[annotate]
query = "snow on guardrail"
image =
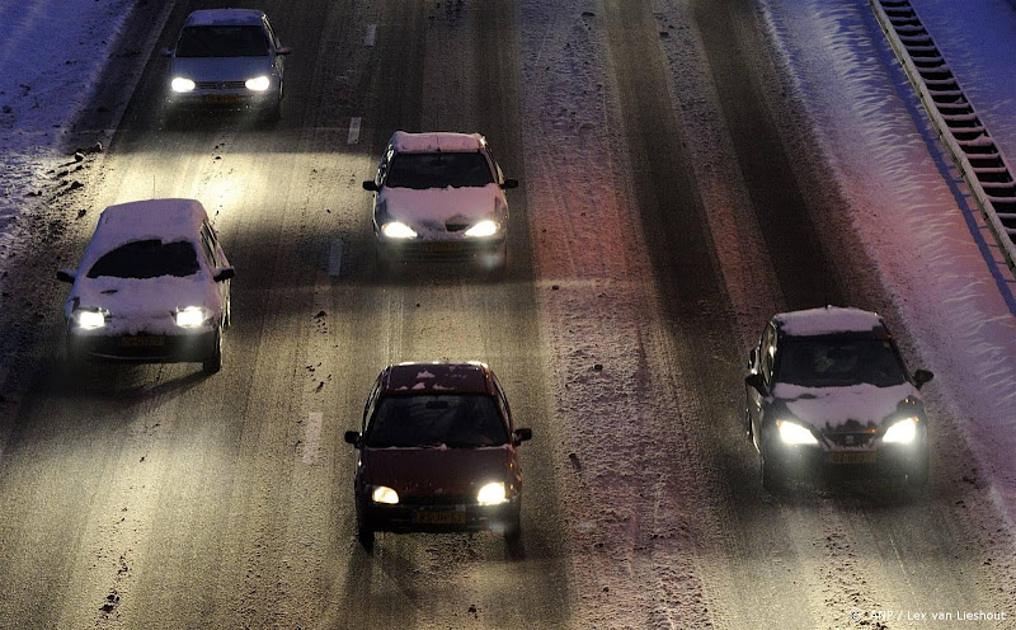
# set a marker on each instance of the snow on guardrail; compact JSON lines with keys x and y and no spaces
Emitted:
{"x":985,"y":169}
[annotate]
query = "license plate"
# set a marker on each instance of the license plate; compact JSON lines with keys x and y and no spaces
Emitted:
{"x":858,"y":457}
{"x":457,"y":517}
{"x":145,"y":341}
{"x":223,"y":98}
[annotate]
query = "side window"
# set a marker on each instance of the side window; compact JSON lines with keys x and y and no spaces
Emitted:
{"x":382,"y":169}
{"x":271,"y":35}
{"x":368,"y":408}
{"x":498,"y":175}
{"x":502,"y":401}
{"x":208,"y":246}
{"x":768,"y":353}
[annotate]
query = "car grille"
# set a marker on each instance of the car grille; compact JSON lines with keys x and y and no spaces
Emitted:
{"x":220,"y":85}
{"x":851,"y":439}
{"x":437,"y":499}
{"x":455,"y":226}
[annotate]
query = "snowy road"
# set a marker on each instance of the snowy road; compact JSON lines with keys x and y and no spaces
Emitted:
{"x":669,"y":203}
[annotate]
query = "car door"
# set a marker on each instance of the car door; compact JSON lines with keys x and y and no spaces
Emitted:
{"x":216,"y":260}
{"x":762,"y":364}
{"x":278,"y":61}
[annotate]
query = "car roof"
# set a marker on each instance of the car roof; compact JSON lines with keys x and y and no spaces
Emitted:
{"x":167,"y":220}
{"x":225,"y":17}
{"x":829,"y":320}
{"x":431,"y":142}
{"x":437,"y":378}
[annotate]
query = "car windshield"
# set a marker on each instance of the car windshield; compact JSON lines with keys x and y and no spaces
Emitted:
{"x":433,"y":420}
{"x":147,"y":259}
{"x":831,"y":362}
{"x":222,"y":41}
{"x":438,"y":170}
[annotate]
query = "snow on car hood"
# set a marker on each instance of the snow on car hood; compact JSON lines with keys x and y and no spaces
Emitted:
{"x":221,"y":68}
{"x":428,"y":471}
{"x":427,"y":211}
{"x":833,"y":407}
{"x":143,"y":305}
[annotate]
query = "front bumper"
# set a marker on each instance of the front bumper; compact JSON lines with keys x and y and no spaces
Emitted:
{"x":441,"y":250}
{"x":884,"y":460}
{"x":223,"y":99}
{"x":437,"y":517}
{"x":143,"y":348}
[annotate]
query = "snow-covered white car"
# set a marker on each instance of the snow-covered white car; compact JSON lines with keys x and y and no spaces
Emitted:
{"x":827,"y":391}
{"x":440,"y":196}
{"x":152,"y":287}
{"x":228,"y":58}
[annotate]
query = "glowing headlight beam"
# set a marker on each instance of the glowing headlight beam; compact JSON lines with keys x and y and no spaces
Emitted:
{"x":398,"y":230}
{"x":792,"y":433}
{"x":180,"y":84}
{"x":901,"y":432}
{"x":482,"y":229}
{"x":190,"y":317}
{"x":492,"y":494}
{"x":384,"y":494}
{"x":258,"y":84}
{"x":90,"y":320}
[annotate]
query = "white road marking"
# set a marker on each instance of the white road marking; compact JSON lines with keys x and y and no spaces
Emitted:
{"x":354,"y":130}
{"x":371,"y":36}
{"x":312,"y":436}
{"x":335,"y":259}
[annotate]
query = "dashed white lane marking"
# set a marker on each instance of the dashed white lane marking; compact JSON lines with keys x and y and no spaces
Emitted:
{"x":354,"y":130}
{"x":371,"y":36}
{"x":335,"y":259}
{"x":312,"y":436}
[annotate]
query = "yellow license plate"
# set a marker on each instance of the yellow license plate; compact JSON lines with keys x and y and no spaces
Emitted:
{"x":440,"y":518}
{"x":858,"y":457}
{"x":150,"y":341}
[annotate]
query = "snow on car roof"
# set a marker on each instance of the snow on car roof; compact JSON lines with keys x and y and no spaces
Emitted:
{"x":212,"y":17}
{"x":167,"y":220}
{"x":827,"y":321}
{"x":436,"y":378}
{"x":449,"y":141}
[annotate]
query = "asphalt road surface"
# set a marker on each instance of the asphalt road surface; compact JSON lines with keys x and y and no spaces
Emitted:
{"x":154,"y":497}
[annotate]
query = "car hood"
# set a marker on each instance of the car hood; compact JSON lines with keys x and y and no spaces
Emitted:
{"x":429,"y":211}
{"x":430,"y":471}
{"x":845,"y":408}
{"x":147,"y":305}
{"x":221,"y":68}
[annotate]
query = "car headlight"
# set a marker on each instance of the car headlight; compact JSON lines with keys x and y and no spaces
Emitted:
{"x":397,"y":229}
{"x":190,"y":317}
{"x":180,"y":84}
{"x":257,"y":84}
{"x":384,"y":494}
{"x":90,"y":319}
{"x":901,"y":432}
{"x":492,"y":494}
{"x":482,"y":229}
{"x":792,"y":433}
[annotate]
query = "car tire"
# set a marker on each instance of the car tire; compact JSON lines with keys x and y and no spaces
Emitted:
{"x":213,"y":363}
{"x":365,"y":535}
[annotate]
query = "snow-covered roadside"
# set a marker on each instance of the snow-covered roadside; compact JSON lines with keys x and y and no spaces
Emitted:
{"x":934,"y":257}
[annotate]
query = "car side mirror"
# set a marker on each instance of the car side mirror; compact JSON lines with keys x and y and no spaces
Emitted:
{"x":353,"y":437}
{"x":522,"y":435}
{"x":65,"y":275}
{"x":167,"y":52}
{"x":922,"y":376}
{"x":510,"y":183}
{"x":283,"y":50}
{"x":755,"y":382}
{"x":370,"y":185}
{"x":225,"y":274}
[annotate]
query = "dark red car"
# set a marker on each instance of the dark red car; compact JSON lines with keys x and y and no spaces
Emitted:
{"x":437,"y":453}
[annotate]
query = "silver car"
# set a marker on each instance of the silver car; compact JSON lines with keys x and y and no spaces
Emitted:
{"x":229,"y":58}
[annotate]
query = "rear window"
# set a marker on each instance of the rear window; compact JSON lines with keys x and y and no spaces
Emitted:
{"x":438,"y":170}
{"x":222,"y":41}
{"x":147,"y":259}
{"x":433,"y":420}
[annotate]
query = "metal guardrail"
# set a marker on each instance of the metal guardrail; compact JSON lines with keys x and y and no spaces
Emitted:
{"x":986,"y":171}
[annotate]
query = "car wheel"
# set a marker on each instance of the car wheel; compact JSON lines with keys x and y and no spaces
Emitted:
{"x":213,"y":363}
{"x":773,"y":478}
{"x":365,"y":535}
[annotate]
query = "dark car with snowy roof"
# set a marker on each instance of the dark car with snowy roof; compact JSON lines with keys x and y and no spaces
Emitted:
{"x":827,"y":391}
{"x":152,"y":287}
{"x":437,"y":452}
